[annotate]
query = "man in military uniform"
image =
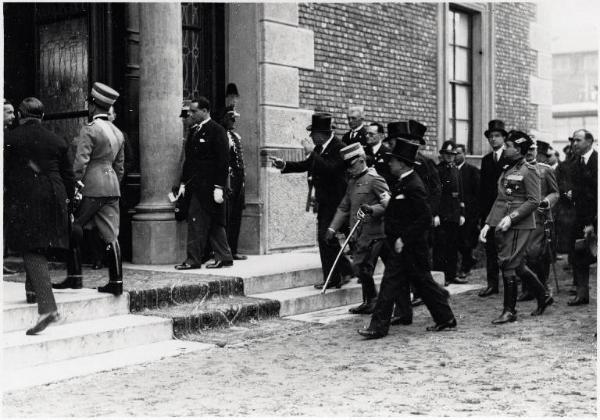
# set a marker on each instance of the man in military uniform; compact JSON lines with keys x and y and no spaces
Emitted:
{"x":376,"y":151}
{"x":99,"y":157}
{"x":491,"y":168}
{"x":450,"y":213}
{"x":236,"y":200}
{"x":407,"y":219}
{"x":358,"y":131}
{"x":365,"y":197}
{"x":326,"y":167}
{"x":513,"y":217}
{"x":205,"y":172}
{"x":538,"y":255}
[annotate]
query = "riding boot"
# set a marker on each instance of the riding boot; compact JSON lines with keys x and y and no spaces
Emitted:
{"x":74,"y":272}
{"x":115,"y":270}
{"x":509,"y":313}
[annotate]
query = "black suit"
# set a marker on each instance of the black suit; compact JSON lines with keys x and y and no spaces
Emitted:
{"x":585,"y":197}
{"x":468,"y":232}
{"x":206,"y":165}
{"x":408,"y":217}
{"x":379,"y":161}
{"x":359,"y":137}
{"x":490,"y":172}
{"x":329,"y":180}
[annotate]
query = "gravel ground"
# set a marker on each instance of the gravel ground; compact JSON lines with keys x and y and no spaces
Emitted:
{"x":534,"y":367}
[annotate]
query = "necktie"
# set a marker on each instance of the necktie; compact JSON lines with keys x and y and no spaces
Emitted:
{"x":582,"y":161}
{"x":318,"y":149}
{"x":495,"y":157}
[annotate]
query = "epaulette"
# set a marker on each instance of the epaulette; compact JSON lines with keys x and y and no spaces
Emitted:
{"x":530,"y":166}
{"x":91,"y":122}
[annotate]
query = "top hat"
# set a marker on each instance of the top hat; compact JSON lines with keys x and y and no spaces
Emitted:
{"x":231,"y":90}
{"x":352,"y":151}
{"x":405,"y":151}
{"x":495,"y":125}
{"x":103,"y":95}
{"x":520,"y":139}
{"x":407,"y":130}
{"x":231,"y":112}
{"x":321,"y":121}
{"x":543,"y":147}
{"x":449,"y":147}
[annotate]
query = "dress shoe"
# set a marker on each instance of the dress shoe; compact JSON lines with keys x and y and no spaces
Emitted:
{"x":346,"y":279}
{"x":462,"y":275}
{"x":417,"y":301}
{"x":371,"y":333}
{"x":443,"y":326}
{"x":7,"y":271}
{"x":97,"y":265}
{"x":30,"y":297}
{"x":220,"y":264}
{"x":330,"y":285}
{"x":367,"y":307}
{"x":400,"y":320}
{"x":572,"y":292}
{"x":524,"y":297}
{"x":507,"y":316}
{"x":239,"y":257}
{"x":114,"y":287}
{"x":488,"y":291}
{"x":548,"y":300}
{"x":456,"y":281}
{"x":42,"y":322}
{"x":578,"y":301}
{"x":186,"y":266}
{"x":71,"y":282}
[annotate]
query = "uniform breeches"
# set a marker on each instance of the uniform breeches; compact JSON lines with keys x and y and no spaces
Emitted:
{"x":202,"y":228}
{"x":365,"y":257}
{"x":328,"y":250}
{"x":491,"y":255}
{"x":449,"y":249}
{"x":511,"y":246}
{"x":102,"y":212}
{"x":537,"y":255}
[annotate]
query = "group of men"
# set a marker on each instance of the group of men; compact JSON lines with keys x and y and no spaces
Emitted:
{"x":398,"y":205}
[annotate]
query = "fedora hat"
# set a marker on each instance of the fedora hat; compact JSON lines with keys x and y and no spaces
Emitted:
{"x":449,"y":147}
{"x":495,"y":125}
{"x":102,"y":95}
{"x":407,"y":130}
{"x":321,"y":121}
{"x":406,"y":151}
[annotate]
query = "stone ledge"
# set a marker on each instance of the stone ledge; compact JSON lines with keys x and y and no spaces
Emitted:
{"x":287,"y":45}
{"x":280,"y":85}
{"x":286,"y":13}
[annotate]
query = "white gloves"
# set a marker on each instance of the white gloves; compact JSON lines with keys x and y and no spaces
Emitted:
{"x":218,"y":195}
{"x":461,"y":221}
{"x":504,"y":224}
{"x":436,"y":221}
{"x":398,"y":245}
{"x":181,"y":191}
{"x":483,"y":233}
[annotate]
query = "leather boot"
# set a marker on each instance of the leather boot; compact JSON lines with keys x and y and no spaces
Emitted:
{"x":367,"y":307}
{"x":74,"y":273}
{"x":509,"y":313}
{"x":115,"y":270}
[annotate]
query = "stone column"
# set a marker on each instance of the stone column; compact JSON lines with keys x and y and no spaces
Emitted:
{"x":156,"y":235}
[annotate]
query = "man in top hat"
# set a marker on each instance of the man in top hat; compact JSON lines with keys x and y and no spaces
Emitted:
{"x":407,"y":220}
{"x":236,"y":201}
{"x":99,"y":157}
{"x":326,"y":167}
{"x":366,"y":196}
{"x":358,"y":131}
{"x":585,"y":197}
{"x":204,"y":178}
{"x":451,"y":212}
{"x":376,"y":151}
{"x":491,"y":168}
{"x":538,"y":254}
{"x":468,"y":233}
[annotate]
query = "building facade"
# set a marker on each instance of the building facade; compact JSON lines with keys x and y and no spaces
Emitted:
{"x":453,"y":66}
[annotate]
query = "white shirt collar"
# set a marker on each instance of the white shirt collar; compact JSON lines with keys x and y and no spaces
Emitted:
{"x":586,"y":157}
{"x":499,"y":153}
{"x":100,"y":116}
{"x":357,"y":129}
{"x":405,"y":174}
{"x":376,"y":148}
{"x":461,"y":165}
{"x":327,"y":143}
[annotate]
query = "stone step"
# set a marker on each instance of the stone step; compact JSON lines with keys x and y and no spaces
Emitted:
{"x":73,"y":306}
{"x":79,"y":339}
{"x":103,"y":362}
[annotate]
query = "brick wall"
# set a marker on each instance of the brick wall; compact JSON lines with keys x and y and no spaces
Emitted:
{"x":383,"y":56}
{"x":515,"y":61}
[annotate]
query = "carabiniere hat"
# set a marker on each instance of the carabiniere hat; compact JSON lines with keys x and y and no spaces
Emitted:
{"x":449,"y":147}
{"x":231,"y":112}
{"x":321,"y":121}
{"x":495,"y":125}
{"x":185,"y":108}
{"x":103,"y":95}
{"x":543,"y":147}
{"x":407,"y":130}
{"x":405,"y":151}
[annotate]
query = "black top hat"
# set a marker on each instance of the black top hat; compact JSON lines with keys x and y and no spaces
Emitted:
{"x":408,"y":130}
{"x":449,"y":147}
{"x":321,"y":121}
{"x":543,"y":147}
{"x":495,"y":125}
{"x":231,"y":90}
{"x":405,"y":151}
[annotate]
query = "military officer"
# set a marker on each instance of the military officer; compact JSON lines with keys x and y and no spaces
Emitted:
{"x":365,"y":197}
{"x":513,"y":218}
{"x":407,"y":219}
{"x":451,"y":212}
{"x":538,"y":255}
{"x":99,"y":157}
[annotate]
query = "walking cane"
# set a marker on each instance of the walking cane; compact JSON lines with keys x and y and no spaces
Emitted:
{"x":360,"y":215}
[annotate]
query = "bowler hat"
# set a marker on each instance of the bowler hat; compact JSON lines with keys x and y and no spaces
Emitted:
{"x":321,"y":121}
{"x":495,"y":125}
{"x":408,"y":130}
{"x":231,"y":90}
{"x":103,"y":95}
{"x":449,"y":147}
{"x":405,"y":151}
